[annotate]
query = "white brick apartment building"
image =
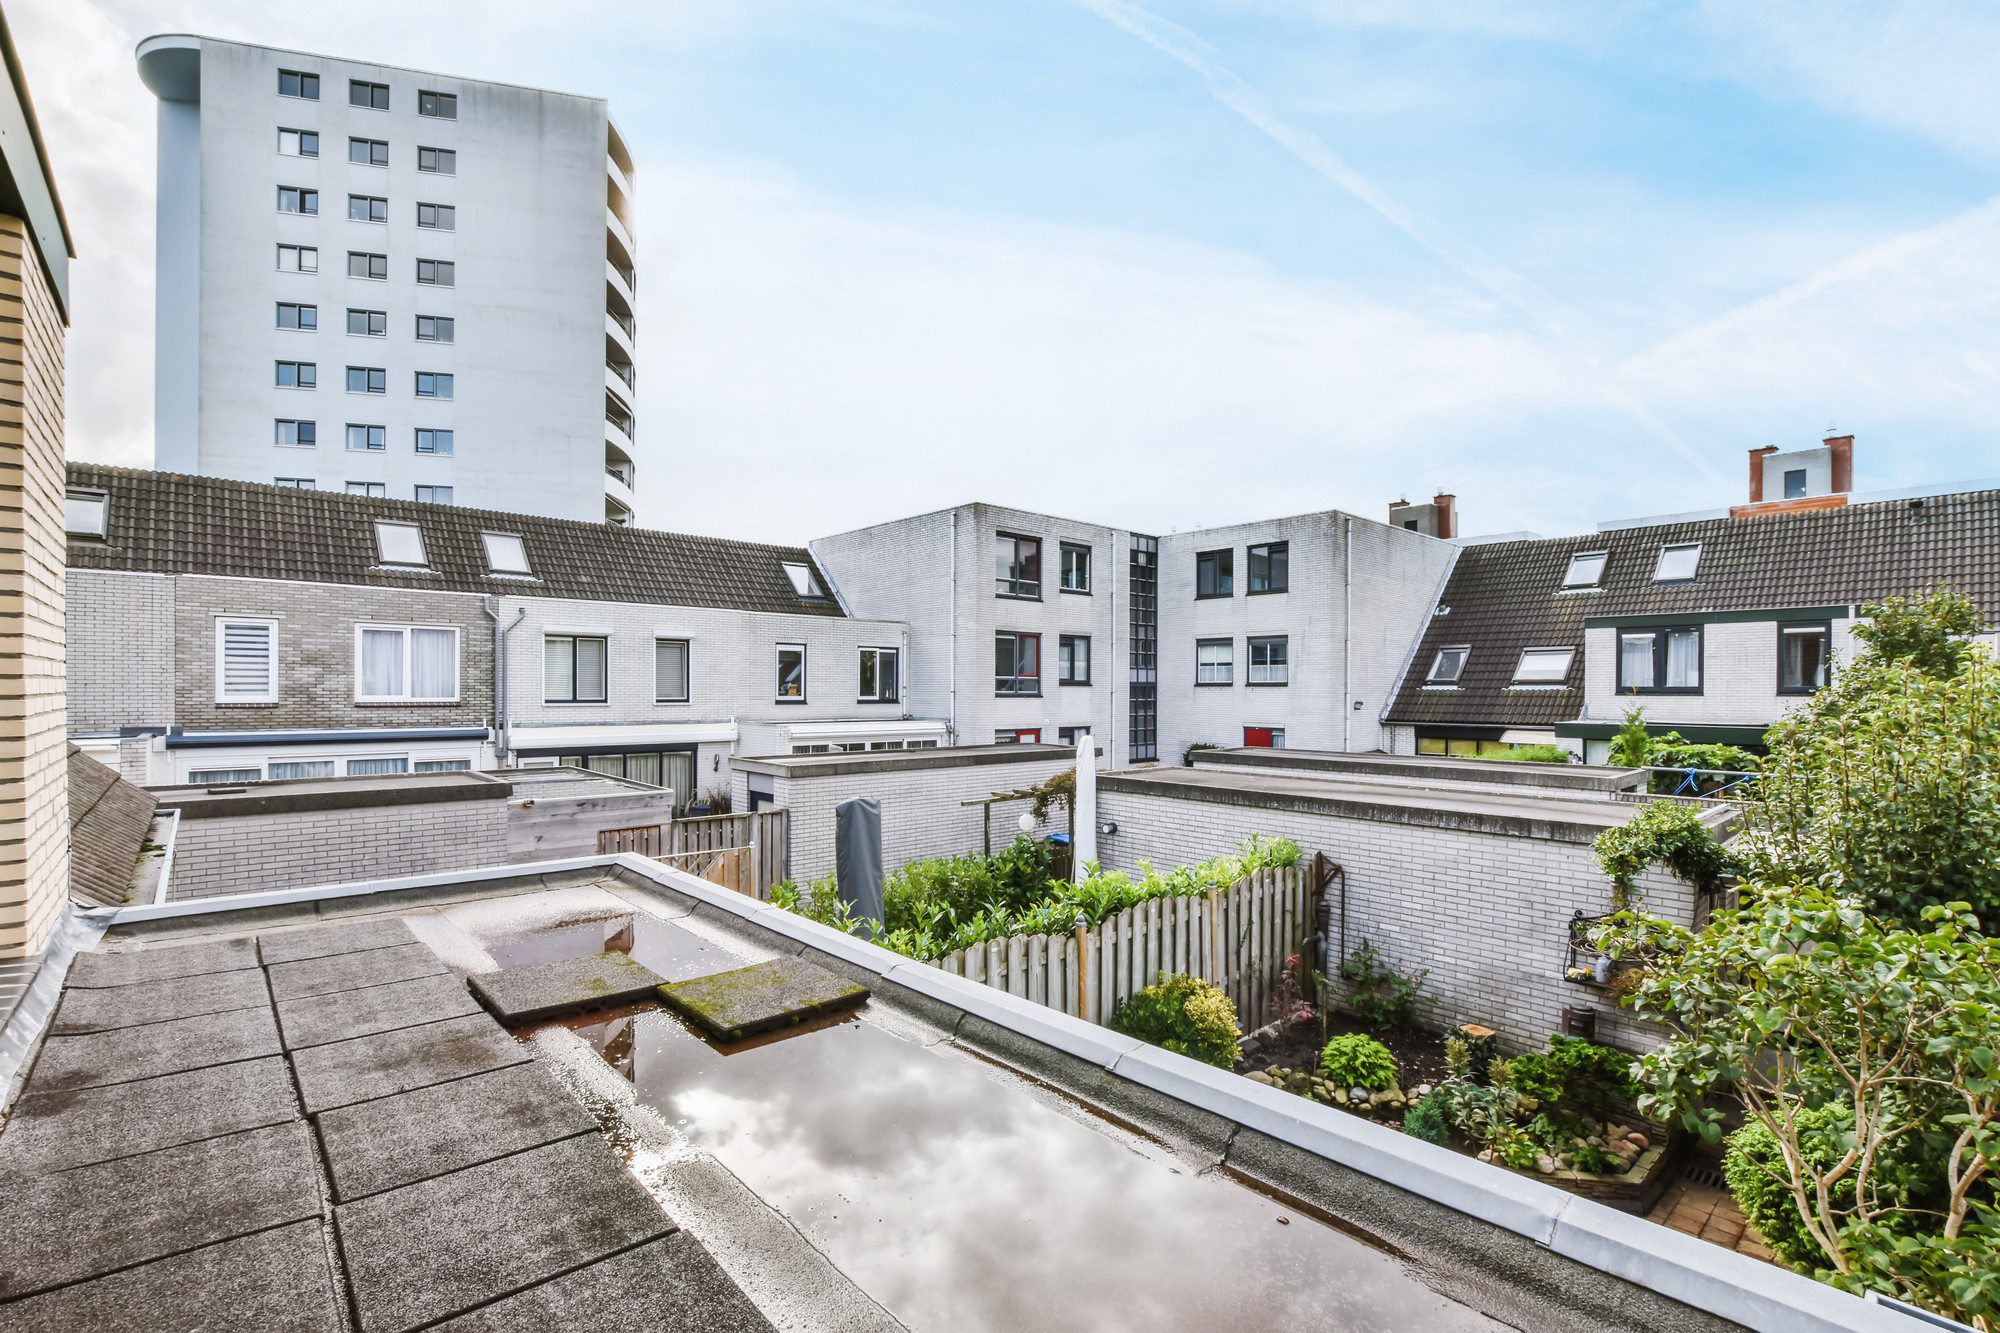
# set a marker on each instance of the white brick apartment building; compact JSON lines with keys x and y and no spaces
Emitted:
{"x":400,"y":283}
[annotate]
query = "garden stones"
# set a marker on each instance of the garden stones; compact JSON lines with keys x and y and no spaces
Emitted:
{"x":743,"y":1002}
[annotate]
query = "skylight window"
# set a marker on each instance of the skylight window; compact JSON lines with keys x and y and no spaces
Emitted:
{"x":84,"y":513}
{"x":1586,"y":569}
{"x":1449,"y":665}
{"x":400,"y":543}
{"x":1543,"y":666}
{"x":1677,"y":563}
{"x":505,"y":553}
{"x":804,"y":581}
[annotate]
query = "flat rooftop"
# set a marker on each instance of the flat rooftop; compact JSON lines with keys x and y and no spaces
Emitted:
{"x":1429,"y":769}
{"x":296,"y":1111}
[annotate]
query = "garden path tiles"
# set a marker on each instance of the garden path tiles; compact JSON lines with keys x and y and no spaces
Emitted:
{"x":733,"y":1005}
{"x":344,"y":1072}
{"x":275,"y":1281}
{"x":108,"y":1007}
{"x":52,"y":1130}
{"x":95,"y":1058}
{"x":394,"y":1141}
{"x":663,"y":1286}
{"x":442,"y":1246}
{"x":351,"y":971}
{"x":64,"y":1226}
{"x":518,"y":995}
{"x":161,"y":963}
{"x":293,"y":946}
{"x":342,"y":1015}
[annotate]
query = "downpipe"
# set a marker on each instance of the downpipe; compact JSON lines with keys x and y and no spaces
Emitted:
{"x":490,"y":606}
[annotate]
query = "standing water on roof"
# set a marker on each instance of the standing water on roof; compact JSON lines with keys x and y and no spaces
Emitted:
{"x":956,"y":1200}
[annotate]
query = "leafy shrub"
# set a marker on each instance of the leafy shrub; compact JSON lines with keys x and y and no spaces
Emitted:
{"x":1600,"y":1161}
{"x":1633,"y":746}
{"x":1356,"y":1060}
{"x":1665,"y":832}
{"x":1187,"y":755}
{"x":1755,"y":1169}
{"x":1531,"y":754}
{"x":1575,"y":1083}
{"x":1383,"y":998}
{"x":819,"y":901}
{"x":1183,"y":1014}
{"x":1426,"y":1120}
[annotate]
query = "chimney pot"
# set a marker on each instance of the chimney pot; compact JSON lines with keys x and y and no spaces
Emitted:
{"x":1757,"y":472}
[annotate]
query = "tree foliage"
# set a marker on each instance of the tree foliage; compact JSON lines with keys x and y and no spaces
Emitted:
{"x":1183,"y":1014}
{"x":1660,"y":833}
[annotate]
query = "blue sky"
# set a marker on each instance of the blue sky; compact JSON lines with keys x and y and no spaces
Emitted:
{"x":1205,"y":260}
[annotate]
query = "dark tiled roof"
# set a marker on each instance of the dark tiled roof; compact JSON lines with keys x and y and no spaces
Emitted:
{"x":1503,"y":596}
{"x":108,"y":821}
{"x":167,"y":523}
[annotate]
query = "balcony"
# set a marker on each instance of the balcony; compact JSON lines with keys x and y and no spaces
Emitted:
{"x":618,"y":295}
{"x":618,"y":243}
{"x":618,"y":447}
{"x":618,"y":193}
{"x":618,"y":339}
{"x":620,"y":393}
{"x":618,"y":500}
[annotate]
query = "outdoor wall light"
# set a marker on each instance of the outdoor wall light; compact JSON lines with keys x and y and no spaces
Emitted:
{"x":1027,"y":821}
{"x":1107,"y":828}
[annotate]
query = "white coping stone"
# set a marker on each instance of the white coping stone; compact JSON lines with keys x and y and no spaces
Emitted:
{"x":1086,"y":1041}
{"x":1708,"y":1277}
{"x":312,"y":893}
{"x":848,"y":948}
{"x":1502,"y":1198}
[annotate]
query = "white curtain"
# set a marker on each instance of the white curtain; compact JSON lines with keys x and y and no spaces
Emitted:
{"x":382,"y":663}
{"x":433,"y":664}
{"x":558,"y":681}
{"x":1635,"y":661}
{"x":366,"y":768}
{"x":1684,"y":659}
{"x":590,"y":668}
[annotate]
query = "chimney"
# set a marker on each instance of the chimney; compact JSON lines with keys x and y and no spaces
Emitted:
{"x":1757,"y":457}
{"x":1843,"y":462}
{"x":1447,"y":514}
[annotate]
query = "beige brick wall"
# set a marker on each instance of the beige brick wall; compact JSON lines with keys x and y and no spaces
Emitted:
{"x":34,"y":806}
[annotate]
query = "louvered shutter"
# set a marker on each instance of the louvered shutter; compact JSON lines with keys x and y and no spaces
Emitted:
{"x":249,"y":662}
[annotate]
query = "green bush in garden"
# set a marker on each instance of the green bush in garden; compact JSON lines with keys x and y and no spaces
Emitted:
{"x":1356,"y":1060}
{"x":1426,"y":1120}
{"x":1182,"y":1014}
{"x":1531,"y":754}
{"x":1575,"y":1083}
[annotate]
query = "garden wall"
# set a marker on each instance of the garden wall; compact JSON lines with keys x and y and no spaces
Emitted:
{"x":1479,"y":889}
{"x":922,"y":794}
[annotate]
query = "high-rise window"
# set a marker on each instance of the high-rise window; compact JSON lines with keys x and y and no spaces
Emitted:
{"x":438,"y":161}
{"x":296,"y":199}
{"x":368,"y":323}
{"x":374,"y":96}
{"x":298,"y":259}
{"x":292,"y":315}
{"x":361,"y":264}
{"x":373,"y":489}
{"x":298,"y":143}
{"x":293,"y":83}
{"x":441,"y":106}
{"x":368,"y":152}
{"x":367,"y":208}
{"x":295,"y":434}
{"x":436,"y":329}
{"x":437,"y":217}
{"x":434,"y":495}
{"x":297,"y":375}
{"x":431,"y":384}
{"x":433,"y":441}
{"x":370,"y":439}
{"x":437,"y":272}
{"x":367,"y":379}
{"x":294,"y":483}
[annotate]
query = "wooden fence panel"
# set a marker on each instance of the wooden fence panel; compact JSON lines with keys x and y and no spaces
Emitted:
{"x":764,"y":834}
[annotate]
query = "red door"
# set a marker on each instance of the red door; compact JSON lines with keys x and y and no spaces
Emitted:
{"x":1258,"y":737}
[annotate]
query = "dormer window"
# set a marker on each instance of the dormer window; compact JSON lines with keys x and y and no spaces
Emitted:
{"x":805,"y":582}
{"x":1448,"y":665}
{"x":1543,"y":666}
{"x":1677,"y":563}
{"x":85,"y":512}
{"x":505,"y":553}
{"x":1586,"y":570}
{"x":400,"y":544}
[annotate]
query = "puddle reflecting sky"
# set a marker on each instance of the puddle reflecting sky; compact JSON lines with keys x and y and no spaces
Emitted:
{"x":959,"y":1202}
{"x":674,"y":952}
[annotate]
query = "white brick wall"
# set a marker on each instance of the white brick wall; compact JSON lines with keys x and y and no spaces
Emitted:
{"x":1739,"y":677}
{"x":261,"y":853}
{"x":121,"y":650}
{"x":1487,"y":914}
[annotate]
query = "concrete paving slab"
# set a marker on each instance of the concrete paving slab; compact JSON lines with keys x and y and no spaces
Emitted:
{"x":518,"y":995}
{"x":294,"y":946}
{"x":442,"y":1246}
{"x":344,"y":1072}
{"x":745,"y":1001}
{"x":275,"y":1281}
{"x":72,"y":1225}
{"x":93,"y":1059}
{"x":394,"y":1141}
{"x":102,"y":1009}
{"x":666,"y":1286}
{"x":52,"y":1131}
{"x":343,"y":1015}
{"x":352,"y":971}
{"x":161,"y":963}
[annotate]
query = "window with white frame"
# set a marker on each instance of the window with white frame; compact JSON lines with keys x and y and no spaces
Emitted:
{"x":215,"y":777}
{"x":1448,"y":665}
{"x":298,"y":259}
{"x":386,"y":766}
{"x":295,"y":434}
{"x":298,"y":143}
{"x":443,"y":766}
{"x":290,"y":770}
{"x":574,"y":668}
{"x":1215,"y":662}
{"x":670,"y":671}
{"x":1586,"y":569}
{"x":367,"y":208}
{"x":438,"y":161}
{"x":84,"y":512}
{"x":246,"y":661}
{"x":791,"y":673}
{"x":1543,"y":666}
{"x":805,"y":582}
{"x":399,"y":543}
{"x":506,"y":553}
{"x":405,"y":664}
{"x":1677,"y":563}
{"x":881,"y":675}
{"x":1270,"y":659}
{"x":366,"y":438}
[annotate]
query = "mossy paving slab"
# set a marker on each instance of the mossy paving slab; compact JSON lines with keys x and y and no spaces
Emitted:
{"x":518,"y":995}
{"x":734,"y":1005}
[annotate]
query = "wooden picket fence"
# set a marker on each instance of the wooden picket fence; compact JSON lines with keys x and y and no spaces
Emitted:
{"x":1237,"y":937}
{"x":763,"y":837}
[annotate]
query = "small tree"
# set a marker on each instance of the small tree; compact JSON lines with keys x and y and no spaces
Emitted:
{"x":1805,"y":1012}
{"x":1932,"y":631}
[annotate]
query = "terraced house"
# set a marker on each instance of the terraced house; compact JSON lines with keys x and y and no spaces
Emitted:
{"x":1716,"y":624}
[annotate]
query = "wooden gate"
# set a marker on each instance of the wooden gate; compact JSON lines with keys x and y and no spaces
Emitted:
{"x":766,"y":834}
